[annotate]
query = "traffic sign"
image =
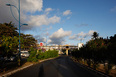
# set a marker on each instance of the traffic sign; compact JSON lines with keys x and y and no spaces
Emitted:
{"x":41,"y":44}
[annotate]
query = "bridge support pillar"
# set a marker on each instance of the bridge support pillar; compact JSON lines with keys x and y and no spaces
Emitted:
{"x":66,"y":51}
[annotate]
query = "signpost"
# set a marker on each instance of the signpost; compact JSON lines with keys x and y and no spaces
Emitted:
{"x":41,"y":44}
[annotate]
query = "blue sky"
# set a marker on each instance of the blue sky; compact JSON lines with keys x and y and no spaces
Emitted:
{"x":65,"y":21}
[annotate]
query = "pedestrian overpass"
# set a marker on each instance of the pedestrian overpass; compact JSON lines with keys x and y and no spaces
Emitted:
{"x":60,"y":48}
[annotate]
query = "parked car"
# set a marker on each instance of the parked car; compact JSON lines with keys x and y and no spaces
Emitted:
{"x":13,"y":58}
{"x":10,"y":58}
{"x":25,"y":54}
{"x":1,"y":58}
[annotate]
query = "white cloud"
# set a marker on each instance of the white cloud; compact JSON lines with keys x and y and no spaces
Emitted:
{"x":81,"y":36}
{"x":58,"y":36}
{"x":48,"y":9}
{"x":91,"y":32}
{"x":39,"y":20}
{"x":27,"y":6}
{"x":113,"y":9}
{"x":31,"y":5}
{"x":73,"y":37}
{"x":67,"y":12}
{"x":60,"y":33}
{"x":40,"y":38}
{"x":54,"y":19}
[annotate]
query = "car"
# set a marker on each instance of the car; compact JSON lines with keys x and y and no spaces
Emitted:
{"x":1,"y":58}
{"x":13,"y":58}
{"x":25,"y":54}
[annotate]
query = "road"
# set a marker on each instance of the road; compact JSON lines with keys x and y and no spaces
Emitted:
{"x":62,"y":66}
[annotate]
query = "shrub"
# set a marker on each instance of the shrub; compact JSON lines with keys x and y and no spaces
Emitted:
{"x":32,"y":57}
{"x":47,"y":54}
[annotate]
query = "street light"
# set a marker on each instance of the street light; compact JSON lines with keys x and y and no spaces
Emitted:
{"x":8,"y":4}
{"x":18,"y":9}
{"x":24,"y":24}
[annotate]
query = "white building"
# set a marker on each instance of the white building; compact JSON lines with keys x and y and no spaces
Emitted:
{"x":80,"y":45}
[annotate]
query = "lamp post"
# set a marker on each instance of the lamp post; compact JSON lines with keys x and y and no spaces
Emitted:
{"x":18,"y":9}
{"x":46,"y":42}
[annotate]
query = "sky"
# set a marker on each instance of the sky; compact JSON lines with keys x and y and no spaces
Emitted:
{"x":62,"y":22}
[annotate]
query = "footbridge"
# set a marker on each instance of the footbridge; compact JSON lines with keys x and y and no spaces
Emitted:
{"x":60,"y":48}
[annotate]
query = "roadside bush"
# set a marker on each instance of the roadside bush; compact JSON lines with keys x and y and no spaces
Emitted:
{"x":47,"y":54}
{"x":32,"y":57}
{"x":97,"y":51}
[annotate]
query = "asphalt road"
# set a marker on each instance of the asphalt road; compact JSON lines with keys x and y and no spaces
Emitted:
{"x":62,"y":66}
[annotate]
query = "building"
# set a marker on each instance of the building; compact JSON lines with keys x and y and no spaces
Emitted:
{"x":80,"y":45}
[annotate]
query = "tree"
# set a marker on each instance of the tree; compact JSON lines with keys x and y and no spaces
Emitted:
{"x":28,"y":41}
{"x":8,"y":29}
{"x":112,"y":49}
{"x":9,"y":45}
{"x":9,"y":40}
{"x":95,"y":35}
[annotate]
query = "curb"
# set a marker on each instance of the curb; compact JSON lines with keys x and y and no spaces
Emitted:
{"x":98,"y":72}
{"x":14,"y":71}
{"x":46,"y":59}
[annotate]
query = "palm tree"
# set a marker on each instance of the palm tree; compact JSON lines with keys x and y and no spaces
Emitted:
{"x":95,"y":35}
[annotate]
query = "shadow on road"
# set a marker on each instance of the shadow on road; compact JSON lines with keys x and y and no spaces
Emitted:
{"x":61,"y":66}
{"x":41,"y":71}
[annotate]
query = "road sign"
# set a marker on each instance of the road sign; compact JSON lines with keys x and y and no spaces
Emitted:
{"x":41,"y":44}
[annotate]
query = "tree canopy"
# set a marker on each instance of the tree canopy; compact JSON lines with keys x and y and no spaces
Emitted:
{"x":98,"y":50}
{"x":95,"y":35}
{"x":9,"y":39}
{"x":8,"y":29}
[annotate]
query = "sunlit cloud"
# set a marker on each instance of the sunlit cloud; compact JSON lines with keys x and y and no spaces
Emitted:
{"x":40,"y":20}
{"x":58,"y":37}
{"x":81,"y":35}
{"x":67,"y":12}
{"x":32,"y":20}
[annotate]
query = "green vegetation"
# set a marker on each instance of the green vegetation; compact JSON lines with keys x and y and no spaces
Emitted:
{"x":97,"y":51}
{"x":35,"y":56}
{"x":47,"y":54}
{"x":9,"y":45}
{"x":9,"y":40}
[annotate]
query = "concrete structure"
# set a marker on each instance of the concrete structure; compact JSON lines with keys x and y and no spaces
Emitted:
{"x":80,"y":45}
{"x":67,"y":48}
{"x":59,"y":48}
